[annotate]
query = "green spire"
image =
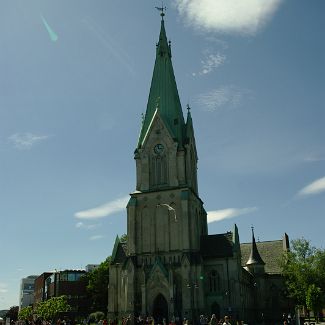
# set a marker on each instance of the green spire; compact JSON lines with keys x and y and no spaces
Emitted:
{"x":163,"y":92}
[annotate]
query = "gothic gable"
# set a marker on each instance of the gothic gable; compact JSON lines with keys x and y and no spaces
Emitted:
{"x":158,"y":130}
{"x":158,"y":273}
{"x":157,"y":158}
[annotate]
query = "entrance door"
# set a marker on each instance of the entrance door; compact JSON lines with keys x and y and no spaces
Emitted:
{"x":160,"y":309}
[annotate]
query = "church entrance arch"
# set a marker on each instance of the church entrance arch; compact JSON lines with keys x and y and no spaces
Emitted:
{"x":160,"y":309}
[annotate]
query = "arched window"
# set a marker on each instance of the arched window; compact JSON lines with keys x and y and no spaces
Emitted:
{"x":158,"y":170}
{"x":214,"y":281}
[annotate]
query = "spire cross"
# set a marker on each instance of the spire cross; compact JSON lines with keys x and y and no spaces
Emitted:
{"x":162,"y":9}
{"x":188,"y":107}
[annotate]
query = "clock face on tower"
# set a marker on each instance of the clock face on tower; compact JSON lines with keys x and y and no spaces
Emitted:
{"x":158,"y":149}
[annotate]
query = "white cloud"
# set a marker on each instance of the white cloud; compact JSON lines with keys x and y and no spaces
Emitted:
{"x":79,"y":224}
{"x":313,"y":188}
{"x":228,"y":16}
{"x":230,"y":96}
{"x":25,"y":141}
{"x":211,"y":62}
{"x":219,"y":215}
{"x":104,"y":210}
{"x":82,"y":225}
{"x":96,"y":237}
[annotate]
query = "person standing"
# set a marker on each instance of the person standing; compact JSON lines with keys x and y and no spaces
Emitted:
{"x":213,"y":320}
{"x":226,"y":322}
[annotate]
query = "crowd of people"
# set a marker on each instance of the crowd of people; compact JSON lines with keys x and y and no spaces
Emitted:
{"x":149,"y":320}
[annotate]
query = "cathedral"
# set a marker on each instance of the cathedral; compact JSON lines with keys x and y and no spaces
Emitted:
{"x":170,"y":267}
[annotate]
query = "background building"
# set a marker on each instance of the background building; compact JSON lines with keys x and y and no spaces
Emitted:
{"x":91,"y":267}
{"x":26,"y":296}
{"x":40,"y":289}
{"x":68,"y":283}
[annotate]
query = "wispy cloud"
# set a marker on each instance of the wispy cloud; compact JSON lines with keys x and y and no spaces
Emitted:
{"x":104,"y":210}
{"x":229,"y":96}
{"x":25,"y":141}
{"x":228,"y":16}
{"x":82,"y":225}
{"x":96,"y":237}
{"x":314,"y":158}
{"x":210,"y":62}
{"x":3,"y":288}
{"x":110,"y":45}
{"x":316,"y":187}
{"x":219,"y":215}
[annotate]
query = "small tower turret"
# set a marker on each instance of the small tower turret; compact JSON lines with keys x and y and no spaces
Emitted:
{"x":255,"y":264}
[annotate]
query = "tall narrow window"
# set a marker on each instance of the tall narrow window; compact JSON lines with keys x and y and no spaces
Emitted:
{"x":158,"y":172}
{"x":214,"y":281}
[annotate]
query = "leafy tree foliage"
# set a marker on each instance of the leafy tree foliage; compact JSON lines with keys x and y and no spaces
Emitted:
{"x":96,"y":316}
{"x":314,"y":298}
{"x":304,"y":271}
{"x":98,"y":286}
{"x":12,"y":313}
{"x":50,"y":308}
{"x":25,"y":313}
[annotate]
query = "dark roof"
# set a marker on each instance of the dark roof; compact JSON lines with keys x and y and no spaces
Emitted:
{"x":271,"y":252}
{"x":193,"y":257}
{"x":219,"y":245}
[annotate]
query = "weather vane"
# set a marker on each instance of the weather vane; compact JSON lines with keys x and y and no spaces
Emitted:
{"x":162,"y":9}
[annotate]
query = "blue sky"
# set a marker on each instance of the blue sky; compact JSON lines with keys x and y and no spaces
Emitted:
{"x":74,"y":80}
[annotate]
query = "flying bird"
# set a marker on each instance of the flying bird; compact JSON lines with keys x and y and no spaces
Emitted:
{"x":170,"y":208}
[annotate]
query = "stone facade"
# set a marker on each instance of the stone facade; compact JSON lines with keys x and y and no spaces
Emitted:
{"x":170,"y":267}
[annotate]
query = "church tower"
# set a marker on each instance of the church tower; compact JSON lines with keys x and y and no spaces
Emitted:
{"x":165,"y":216}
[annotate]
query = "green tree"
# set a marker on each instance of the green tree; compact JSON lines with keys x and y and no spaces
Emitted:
{"x":314,"y":299}
{"x":98,"y":286}
{"x":303,"y":268}
{"x":50,"y":308}
{"x":25,"y":313}
{"x":96,"y":316}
